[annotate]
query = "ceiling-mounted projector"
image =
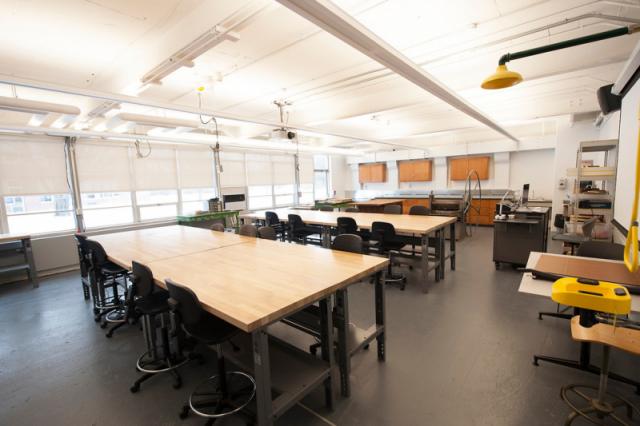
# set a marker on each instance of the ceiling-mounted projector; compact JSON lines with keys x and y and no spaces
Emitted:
{"x":282,"y":134}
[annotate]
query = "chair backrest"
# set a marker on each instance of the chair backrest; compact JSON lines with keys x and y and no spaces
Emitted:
{"x":84,"y":255}
{"x":326,"y":209}
{"x":382,"y":231}
{"x":142,"y":279}
{"x":352,"y":210}
{"x":392,"y":209}
{"x":347,"y":242}
{"x":185,"y":301}
{"x":587,"y":227}
{"x":602,"y":250}
{"x":295,"y":221}
{"x":267,"y":233}
{"x":271,"y":218}
{"x":97,"y":254}
{"x":419,"y":210}
{"x":217,"y":227}
{"x":347,"y":225}
{"x":248,"y":230}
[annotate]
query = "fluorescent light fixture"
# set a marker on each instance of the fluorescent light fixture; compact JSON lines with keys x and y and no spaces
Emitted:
{"x":156,"y":121}
{"x":138,"y":88}
{"x":36,"y":120}
{"x":36,"y":107}
{"x":63,"y":121}
{"x":334,"y":20}
{"x":185,"y":56}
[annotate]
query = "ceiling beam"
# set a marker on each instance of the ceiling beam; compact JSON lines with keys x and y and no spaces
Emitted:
{"x":334,"y":20}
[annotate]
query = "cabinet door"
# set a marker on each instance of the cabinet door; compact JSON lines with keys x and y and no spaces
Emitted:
{"x":480,"y":165}
{"x":405,"y":171}
{"x":414,"y":171}
{"x":364,"y":172}
{"x":378,"y":172}
{"x":458,"y":168}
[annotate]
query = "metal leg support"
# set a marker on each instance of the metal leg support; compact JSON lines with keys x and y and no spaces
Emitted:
{"x":380,"y":315}
{"x":262,"y":371}
{"x":326,"y":338}
{"x":326,"y":236}
{"x":438,"y":253}
{"x":28,"y":255}
{"x":452,"y":246}
{"x":425,"y":263}
{"x":344,"y":360}
{"x":441,"y":240}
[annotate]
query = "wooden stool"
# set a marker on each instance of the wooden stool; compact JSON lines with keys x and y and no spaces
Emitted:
{"x":603,"y":403}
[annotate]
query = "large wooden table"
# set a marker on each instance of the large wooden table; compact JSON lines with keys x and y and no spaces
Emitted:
{"x":376,"y":205}
{"x":10,"y":246}
{"x":424,"y":226}
{"x":252,"y":283}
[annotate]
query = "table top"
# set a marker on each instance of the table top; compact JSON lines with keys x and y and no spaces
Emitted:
{"x":378,"y":202}
{"x":147,"y":245}
{"x":404,"y":223}
{"x":530,"y":285}
{"x":246,"y":281}
{"x":4,"y":238}
{"x":622,"y":338}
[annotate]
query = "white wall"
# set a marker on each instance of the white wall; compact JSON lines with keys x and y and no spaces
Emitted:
{"x":533,"y":167}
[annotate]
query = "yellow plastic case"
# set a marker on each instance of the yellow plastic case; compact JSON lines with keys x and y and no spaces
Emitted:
{"x":600,"y":296}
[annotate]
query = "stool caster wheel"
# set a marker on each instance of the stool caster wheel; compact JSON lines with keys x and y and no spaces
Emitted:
{"x":135,"y":388}
{"x":535,"y":362}
{"x":402,"y":288}
{"x":177,"y":384}
{"x":184,"y":413}
{"x":103,"y":325}
{"x":365,"y":347}
{"x":313,"y":350}
{"x":411,"y":267}
{"x":108,"y":335}
{"x":96,"y":318}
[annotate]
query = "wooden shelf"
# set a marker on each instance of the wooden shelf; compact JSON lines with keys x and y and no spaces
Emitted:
{"x":593,"y":172}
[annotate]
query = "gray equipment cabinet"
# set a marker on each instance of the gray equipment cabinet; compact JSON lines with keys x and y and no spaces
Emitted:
{"x":16,"y":256}
{"x":514,"y":239}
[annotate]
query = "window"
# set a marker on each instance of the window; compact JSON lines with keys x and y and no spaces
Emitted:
{"x":157,"y":204}
{"x":106,"y":208}
{"x":321,"y":177}
{"x":306,"y":193}
{"x":260,"y":197}
{"x":195,"y":199}
{"x":284,"y":194}
{"x":33,"y":214}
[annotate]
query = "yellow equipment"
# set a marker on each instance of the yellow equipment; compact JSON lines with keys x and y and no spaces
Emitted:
{"x":631,"y":244}
{"x":599,"y":296}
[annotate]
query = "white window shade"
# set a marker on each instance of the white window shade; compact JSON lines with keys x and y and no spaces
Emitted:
{"x":32,"y":166}
{"x":103,"y":167}
{"x":195,"y":168}
{"x":306,"y":169}
{"x":233,"y":174}
{"x":283,"y":170}
{"x":158,"y":170}
{"x":259,"y":170}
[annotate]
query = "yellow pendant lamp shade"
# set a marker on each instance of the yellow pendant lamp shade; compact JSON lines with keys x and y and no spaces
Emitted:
{"x":501,"y":78}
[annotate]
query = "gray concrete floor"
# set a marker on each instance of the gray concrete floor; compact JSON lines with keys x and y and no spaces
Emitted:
{"x":460,"y":355}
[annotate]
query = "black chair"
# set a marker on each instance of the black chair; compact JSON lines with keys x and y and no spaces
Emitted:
{"x":419,"y":210}
{"x":217,"y":227}
{"x":248,"y":230}
{"x":272,"y":220}
{"x":151,"y":303}
{"x":389,"y":243}
{"x":326,"y":209}
{"x":392,"y":209}
{"x":84,"y":258}
{"x":602,"y":250}
{"x":308,"y":319}
{"x":574,"y":240}
{"x":105,"y":278}
{"x":227,"y":392}
{"x":352,"y":210}
{"x":267,"y":233}
{"x":348,"y":225}
{"x":300,"y":231}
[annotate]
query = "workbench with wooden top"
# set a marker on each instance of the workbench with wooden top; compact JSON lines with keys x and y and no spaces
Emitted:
{"x":376,"y":205}
{"x":424,"y":226}
{"x":253,"y":283}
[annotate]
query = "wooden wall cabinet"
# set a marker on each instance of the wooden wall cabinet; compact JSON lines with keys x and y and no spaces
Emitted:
{"x":372,"y":173}
{"x":459,"y":167}
{"x":415,"y":170}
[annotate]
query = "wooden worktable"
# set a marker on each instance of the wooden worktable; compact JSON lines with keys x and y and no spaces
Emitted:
{"x":376,"y":205}
{"x":248,"y":282}
{"x":406,"y":224}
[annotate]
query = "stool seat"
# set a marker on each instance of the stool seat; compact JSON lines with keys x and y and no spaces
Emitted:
{"x":211,"y":330}
{"x":112,"y":268}
{"x":155,"y":303}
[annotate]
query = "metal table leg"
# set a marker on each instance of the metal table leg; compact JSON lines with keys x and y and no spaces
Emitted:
{"x":326,"y":236}
{"x":443,"y":253}
{"x":438,"y":253}
{"x":28,"y":257}
{"x":262,"y":371}
{"x":344,"y":360}
{"x":326,"y":337}
{"x":425,"y":263}
{"x":380,"y":316}
{"x":452,"y":246}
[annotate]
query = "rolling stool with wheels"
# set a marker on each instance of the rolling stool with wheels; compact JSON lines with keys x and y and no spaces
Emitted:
{"x":388,"y":243}
{"x":105,"y":278}
{"x":150,"y":303}
{"x":227,"y":392}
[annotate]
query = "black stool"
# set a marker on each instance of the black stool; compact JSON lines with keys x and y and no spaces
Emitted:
{"x":105,"y":278}
{"x":227,"y":392}
{"x":150,"y":303}
{"x":389,"y":243}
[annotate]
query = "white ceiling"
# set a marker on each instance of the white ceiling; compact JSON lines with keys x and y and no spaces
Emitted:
{"x":108,"y":45}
